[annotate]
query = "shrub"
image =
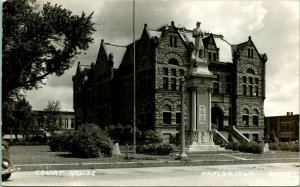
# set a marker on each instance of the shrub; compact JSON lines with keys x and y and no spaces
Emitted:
{"x":155,"y":149}
{"x":248,"y":147}
{"x":90,"y":141}
{"x":123,"y":134}
{"x":151,"y":137}
{"x":164,"y":149}
{"x":61,"y":141}
{"x":175,"y":139}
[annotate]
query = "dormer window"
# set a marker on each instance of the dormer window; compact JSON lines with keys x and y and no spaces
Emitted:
{"x":173,"y":41}
{"x":215,"y":57}
{"x":250,"y":53}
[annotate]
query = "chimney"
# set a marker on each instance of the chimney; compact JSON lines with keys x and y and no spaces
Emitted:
{"x":288,"y":113}
{"x":291,"y":113}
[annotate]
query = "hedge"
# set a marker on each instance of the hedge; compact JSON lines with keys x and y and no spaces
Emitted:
{"x":155,"y":149}
{"x":248,"y":147}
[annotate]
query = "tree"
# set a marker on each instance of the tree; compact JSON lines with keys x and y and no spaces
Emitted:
{"x":17,"y":115}
{"x":39,"y":42}
{"x":23,"y":117}
{"x":51,"y":117}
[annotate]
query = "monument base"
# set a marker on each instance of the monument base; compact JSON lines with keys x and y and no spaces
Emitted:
{"x":202,"y":141}
{"x":204,"y":148}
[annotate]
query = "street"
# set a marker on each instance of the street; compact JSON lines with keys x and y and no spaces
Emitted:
{"x":271,"y":174}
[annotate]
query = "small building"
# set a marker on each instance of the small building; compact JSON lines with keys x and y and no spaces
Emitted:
{"x":65,"y":118}
{"x":282,"y":128}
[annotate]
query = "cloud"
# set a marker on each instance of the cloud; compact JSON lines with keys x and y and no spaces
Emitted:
{"x":273,"y":25}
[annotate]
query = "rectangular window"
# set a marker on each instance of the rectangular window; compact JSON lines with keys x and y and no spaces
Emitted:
{"x":167,"y":117}
{"x":173,"y":72}
{"x":246,"y":135}
{"x":216,"y":86}
{"x":215,"y":56}
{"x":244,"y":89}
{"x":255,"y":120}
{"x":256,"y":80}
{"x":72,"y":123}
{"x":181,"y":72}
{"x":228,"y":88}
{"x":250,"y":80}
{"x":178,"y":117}
{"x":250,"y":90}
{"x":175,"y":41}
{"x":244,"y":79}
{"x":171,"y":41}
{"x":165,"y":71}
{"x":180,"y":84}
{"x":248,"y":53}
{"x":256,"y":91}
{"x":245,"y":120}
{"x":165,"y":83}
{"x":251,"y":53}
{"x":209,"y":56}
{"x":228,"y":78}
{"x":173,"y":83}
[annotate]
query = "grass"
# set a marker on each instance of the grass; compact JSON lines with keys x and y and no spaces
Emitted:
{"x":42,"y":155}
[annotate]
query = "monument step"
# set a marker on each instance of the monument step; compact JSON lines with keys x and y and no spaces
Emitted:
{"x":204,"y":147}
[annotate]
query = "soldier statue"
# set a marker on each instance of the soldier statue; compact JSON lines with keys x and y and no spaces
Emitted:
{"x":198,"y":35}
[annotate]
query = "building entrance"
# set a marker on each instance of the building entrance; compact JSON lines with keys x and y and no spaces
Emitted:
{"x":217,"y":118}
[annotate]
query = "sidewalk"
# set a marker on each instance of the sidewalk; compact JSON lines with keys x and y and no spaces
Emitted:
{"x":32,"y":158}
{"x":141,"y":164}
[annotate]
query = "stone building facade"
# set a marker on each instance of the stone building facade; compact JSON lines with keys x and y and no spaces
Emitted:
{"x":103,"y":92}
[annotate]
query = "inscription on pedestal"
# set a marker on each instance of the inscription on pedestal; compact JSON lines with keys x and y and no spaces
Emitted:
{"x":202,"y":115}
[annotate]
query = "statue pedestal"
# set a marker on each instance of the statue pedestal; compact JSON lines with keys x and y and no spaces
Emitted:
{"x":200,"y":135}
{"x":202,"y":141}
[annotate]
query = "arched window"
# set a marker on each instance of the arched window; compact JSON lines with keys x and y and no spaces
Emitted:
{"x":178,"y":114}
{"x":173,"y":61}
{"x":167,"y":115}
{"x":245,"y":116}
{"x":251,"y":71}
{"x":255,"y":117}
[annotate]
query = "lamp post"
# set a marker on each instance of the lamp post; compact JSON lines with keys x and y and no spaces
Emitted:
{"x":182,"y":156}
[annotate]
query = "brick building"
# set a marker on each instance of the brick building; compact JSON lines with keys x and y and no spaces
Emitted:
{"x":283,"y":128}
{"x":103,"y":92}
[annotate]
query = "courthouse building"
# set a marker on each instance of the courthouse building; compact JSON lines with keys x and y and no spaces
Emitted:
{"x":103,"y":91}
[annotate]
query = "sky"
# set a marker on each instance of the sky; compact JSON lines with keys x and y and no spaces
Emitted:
{"x":273,"y":27}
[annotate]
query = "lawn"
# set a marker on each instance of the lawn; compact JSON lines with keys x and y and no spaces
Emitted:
{"x":42,"y":155}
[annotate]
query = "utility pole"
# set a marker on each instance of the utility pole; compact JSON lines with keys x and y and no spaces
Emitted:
{"x":134,"y":102}
{"x":183,"y":156}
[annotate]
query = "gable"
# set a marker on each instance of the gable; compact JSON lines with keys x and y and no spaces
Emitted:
{"x":102,"y":66}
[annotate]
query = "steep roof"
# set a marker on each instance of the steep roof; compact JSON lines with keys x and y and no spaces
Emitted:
{"x":154,"y":33}
{"x":225,"y":53}
{"x":225,"y":50}
{"x":117,"y":52}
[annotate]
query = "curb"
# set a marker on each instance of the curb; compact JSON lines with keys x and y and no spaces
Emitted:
{"x":82,"y":166}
